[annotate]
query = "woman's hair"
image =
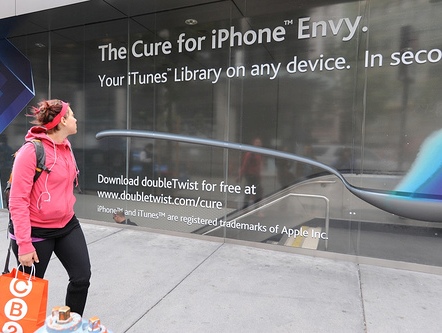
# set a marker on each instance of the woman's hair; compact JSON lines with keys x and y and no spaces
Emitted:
{"x":45,"y":112}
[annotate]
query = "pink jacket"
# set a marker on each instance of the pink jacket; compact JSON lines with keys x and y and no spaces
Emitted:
{"x":49,"y":202}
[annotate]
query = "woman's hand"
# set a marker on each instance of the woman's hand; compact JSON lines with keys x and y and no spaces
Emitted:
{"x":28,"y":259}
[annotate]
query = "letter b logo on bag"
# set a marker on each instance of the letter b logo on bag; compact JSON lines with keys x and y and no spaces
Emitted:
{"x":16,"y":309}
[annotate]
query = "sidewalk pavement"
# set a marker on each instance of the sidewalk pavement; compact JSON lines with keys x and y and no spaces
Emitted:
{"x":144,"y":281}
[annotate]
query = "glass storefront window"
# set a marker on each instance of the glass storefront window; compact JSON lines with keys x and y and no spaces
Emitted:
{"x":353,"y":85}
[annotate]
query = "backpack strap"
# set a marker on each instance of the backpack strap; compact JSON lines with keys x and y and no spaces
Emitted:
{"x":39,"y":168}
{"x":41,"y":159}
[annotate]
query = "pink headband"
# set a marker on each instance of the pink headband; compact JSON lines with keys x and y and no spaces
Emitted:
{"x":54,"y":122}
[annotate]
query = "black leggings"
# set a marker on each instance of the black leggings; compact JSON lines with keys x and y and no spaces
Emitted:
{"x":71,"y":250}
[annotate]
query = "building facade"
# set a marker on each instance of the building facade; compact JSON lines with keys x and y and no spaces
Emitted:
{"x":291,"y":86}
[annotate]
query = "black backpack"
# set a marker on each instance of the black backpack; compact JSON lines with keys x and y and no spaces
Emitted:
{"x":39,"y":168}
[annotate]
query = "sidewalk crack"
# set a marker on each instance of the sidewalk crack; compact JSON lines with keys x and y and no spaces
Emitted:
{"x":361,"y":294}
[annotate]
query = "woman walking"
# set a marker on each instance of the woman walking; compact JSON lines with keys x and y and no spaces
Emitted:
{"x":42,"y":212}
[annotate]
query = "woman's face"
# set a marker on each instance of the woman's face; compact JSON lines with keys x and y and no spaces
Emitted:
{"x":71,"y":122}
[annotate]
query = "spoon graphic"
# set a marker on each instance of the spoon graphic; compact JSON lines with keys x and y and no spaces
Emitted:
{"x":417,"y":206}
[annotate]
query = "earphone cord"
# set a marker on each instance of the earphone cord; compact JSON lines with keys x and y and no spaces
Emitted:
{"x":47,"y":177}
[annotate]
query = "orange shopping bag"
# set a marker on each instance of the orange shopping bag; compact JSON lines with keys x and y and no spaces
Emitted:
{"x":23,"y":301}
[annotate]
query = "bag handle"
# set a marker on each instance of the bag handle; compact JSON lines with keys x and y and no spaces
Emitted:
{"x":31,"y":275}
